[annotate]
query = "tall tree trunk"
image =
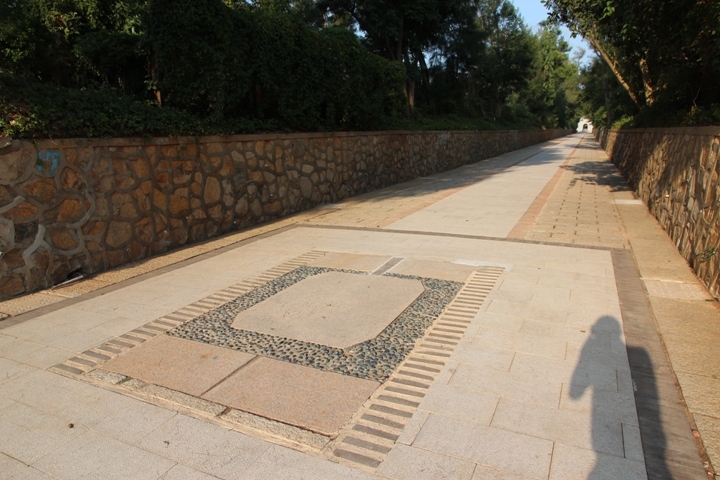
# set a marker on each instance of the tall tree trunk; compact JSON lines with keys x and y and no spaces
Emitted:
{"x":647,"y":82}
{"x":426,"y":81}
{"x":608,"y":106}
{"x":616,"y":71}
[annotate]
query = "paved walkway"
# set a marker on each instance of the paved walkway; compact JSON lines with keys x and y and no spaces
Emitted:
{"x":520,"y":318}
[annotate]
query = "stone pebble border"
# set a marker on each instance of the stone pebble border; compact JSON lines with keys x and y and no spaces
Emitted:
{"x":365,"y":441}
{"x":372,"y":360}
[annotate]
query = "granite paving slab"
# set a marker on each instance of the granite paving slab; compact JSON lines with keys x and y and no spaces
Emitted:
{"x":305,"y":397}
{"x":351,"y":261}
{"x":183,"y":365}
{"x":334,"y":308}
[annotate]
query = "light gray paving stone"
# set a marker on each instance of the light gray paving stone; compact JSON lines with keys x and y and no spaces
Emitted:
{"x":280,"y":462}
{"x":118,"y":416}
{"x":483,"y":356}
{"x":181,"y":472}
{"x":5,"y":402}
{"x":486,"y":473}
{"x":620,"y":406}
{"x":50,"y":392}
{"x":410,"y":463}
{"x":602,"y":433}
{"x":27,"y":434}
{"x":632,"y":442}
{"x":413,"y":427}
{"x":499,"y":321}
{"x":572,"y":462}
{"x":558,"y":370}
{"x":11,"y":370}
{"x":204,"y":446}
{"x":454,"y":401}
{"x":538,"y":391}
{"x":12,"y":469}
{"x":96,"y":456}
{"x":500,"y":449}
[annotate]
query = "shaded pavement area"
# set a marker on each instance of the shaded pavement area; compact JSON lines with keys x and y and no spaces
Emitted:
{"x":523,"y":317}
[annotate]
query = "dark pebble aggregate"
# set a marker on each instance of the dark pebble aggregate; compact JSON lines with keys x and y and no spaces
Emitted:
{"x":373,"y":360}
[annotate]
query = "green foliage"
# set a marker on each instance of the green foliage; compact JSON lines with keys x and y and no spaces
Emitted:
{"x":36,"y":110}
{"x":192,"y":67}
{"x":665,"y":54}
{"x":262,"y":64}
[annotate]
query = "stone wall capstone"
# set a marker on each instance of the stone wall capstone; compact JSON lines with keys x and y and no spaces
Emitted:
{"x":675,"y":172}
{"x":87,"y":205}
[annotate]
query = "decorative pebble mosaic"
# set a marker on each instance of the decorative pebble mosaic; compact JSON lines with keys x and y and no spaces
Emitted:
{"x":373,"y":360}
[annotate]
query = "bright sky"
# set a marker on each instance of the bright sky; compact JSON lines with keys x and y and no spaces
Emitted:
{"x":534,"y":12}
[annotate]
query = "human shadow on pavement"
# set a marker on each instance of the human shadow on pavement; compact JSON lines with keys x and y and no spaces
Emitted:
{"x":608,"y":409}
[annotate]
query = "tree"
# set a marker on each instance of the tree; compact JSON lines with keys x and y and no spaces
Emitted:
{"x":506,"y":61}
{"x":405,"y":30}
{"x":658,"y":50}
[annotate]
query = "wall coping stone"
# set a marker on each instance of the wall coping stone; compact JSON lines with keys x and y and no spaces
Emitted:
{"x":694,"y":131}
{"x":186,"y":140}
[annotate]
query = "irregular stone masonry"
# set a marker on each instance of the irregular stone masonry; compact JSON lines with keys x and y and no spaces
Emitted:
{"x":675,"y":172}
{"x":85,"y":206}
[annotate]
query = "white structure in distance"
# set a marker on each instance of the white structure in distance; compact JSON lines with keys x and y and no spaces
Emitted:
{"x":585,"y":125}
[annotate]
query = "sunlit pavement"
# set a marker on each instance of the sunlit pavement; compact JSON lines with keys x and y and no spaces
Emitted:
{"x":523,"y":317}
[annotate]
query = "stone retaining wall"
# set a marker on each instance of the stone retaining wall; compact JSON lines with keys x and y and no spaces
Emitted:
{"x":89,"y":205}
{"x":675,"y":172}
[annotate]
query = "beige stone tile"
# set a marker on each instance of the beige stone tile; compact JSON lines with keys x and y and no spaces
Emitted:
{"x":117,"y":416}
{"x":701,"y":393}
{"x":409,"y":463}
{"x":598,"y":356}
{"x":483,"y":356}
{"x":413,"y":427}
{"x":542,"y":346}
{"x":620,"y":406}
{"x":486,"y":473}
{"x":179,"y":364}
{"x":96,"y":456}
{"x":593,"y":432}
{"x":492,"y":447}
{"x":334,"y":308}
{"x":573,"y":462}
{"x":495,"y":338}
{"x":49,"y":392}
{"x":11,"y":370}
{"x":181,"y":472}
{"x":350,"y":261}
{"x":434,"y":269}
{"x":15,"y":470}
{"x":203,"y":446}
{"x":579,"y":376}
{"x":709,"y":428}
{"x":454,"y":401}
{"x":539,"y":391}
{"x":301,"y":396}
{"x":546,"y":313}
{"x":48,"y":328}
{"x":499,"y":321}
{"x":632,"y":443}
{"x":534,"y":328}
{"x":280,"y":462}
{"x":27,"y":434}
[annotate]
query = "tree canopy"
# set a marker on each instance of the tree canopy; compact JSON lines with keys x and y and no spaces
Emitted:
{"x":664,"y":54}
{"x":234,"y":66}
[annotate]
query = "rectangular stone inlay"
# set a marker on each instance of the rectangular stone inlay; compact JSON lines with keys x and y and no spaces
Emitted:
{"x":334,"y":308}
{"x":189,"y":367}
{"x":373,"y":359}
{"x":305,"y":397}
